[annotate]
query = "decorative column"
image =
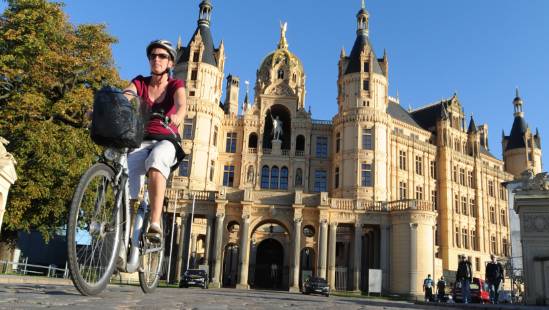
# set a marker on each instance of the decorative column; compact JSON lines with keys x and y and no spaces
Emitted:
{"x":218,"y":246}
{"x":332,"y":255}
{"x":207,"y":244}
{"x":384,"y":261}
{"x":244,"y":252}
{"x":357,"y":257}
{"x":297,"y":251}
{"x":413,"y":259}
{"x":322,"y":248}
{"x":180,"y":247}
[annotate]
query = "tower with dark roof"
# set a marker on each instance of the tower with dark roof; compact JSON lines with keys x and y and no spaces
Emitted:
{"x":200,"y":64}
{"x":521,"y":148}
{"x":362,"y":111}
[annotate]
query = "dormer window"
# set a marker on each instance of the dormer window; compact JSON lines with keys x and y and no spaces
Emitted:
{"x":196,"y":56}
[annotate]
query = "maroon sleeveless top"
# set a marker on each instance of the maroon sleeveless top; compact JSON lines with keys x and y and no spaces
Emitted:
{"x":154,"y":126}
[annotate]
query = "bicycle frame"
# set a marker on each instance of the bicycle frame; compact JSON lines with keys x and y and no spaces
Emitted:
{"x":120,"y":166}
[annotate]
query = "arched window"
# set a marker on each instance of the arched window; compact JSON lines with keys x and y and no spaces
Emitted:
{"x":281,"y":74}
{"x":284,"y":178}
{"x":265,"y":177}
{"x":298,"y":178}
{"x":274,"y":177}
{"x":252,"y":140}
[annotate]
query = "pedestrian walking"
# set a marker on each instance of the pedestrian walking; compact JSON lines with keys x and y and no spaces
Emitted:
{"x":494,"y":278}
{"x":428,"y":288}
{"x":465,"y":276}
{"x":441,"y":289}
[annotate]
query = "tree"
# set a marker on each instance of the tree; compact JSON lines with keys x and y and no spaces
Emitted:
{"x":49,"y":70}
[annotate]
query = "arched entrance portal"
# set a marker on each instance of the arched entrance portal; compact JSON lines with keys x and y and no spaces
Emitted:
{"x":269,"y":265}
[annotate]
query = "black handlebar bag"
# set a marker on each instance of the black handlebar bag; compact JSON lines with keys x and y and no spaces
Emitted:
{"x":116,"y":121}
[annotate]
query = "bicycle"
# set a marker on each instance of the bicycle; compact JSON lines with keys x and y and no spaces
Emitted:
{"x":99,"y":227}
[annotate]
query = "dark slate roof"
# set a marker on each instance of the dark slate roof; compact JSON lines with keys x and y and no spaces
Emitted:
{"x":354,"y":58}
{"x":515,"y":140}
{"x":472,"y":127}
{"x":208,"y":56}
{"x":485,"y":151}
{"x":427,"y":116}
{"x":396,"y":111}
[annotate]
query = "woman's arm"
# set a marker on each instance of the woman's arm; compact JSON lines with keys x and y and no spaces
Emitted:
{"x":180,"y":100}
{"x":129,"y":90}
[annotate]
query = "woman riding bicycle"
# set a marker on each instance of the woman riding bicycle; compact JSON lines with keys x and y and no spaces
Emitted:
{"x":160,"y":151}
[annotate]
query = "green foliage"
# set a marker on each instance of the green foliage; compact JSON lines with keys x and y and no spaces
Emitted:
{"x":49,"y":70}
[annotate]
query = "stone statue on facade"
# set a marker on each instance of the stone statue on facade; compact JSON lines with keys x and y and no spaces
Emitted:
{"x":250,"y":176}
{"x":277,"y":128}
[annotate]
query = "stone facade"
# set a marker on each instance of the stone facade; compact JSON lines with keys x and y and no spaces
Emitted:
{"x":532,"y":205}
{"x":376,"y":187}
{"x":7,"y":176}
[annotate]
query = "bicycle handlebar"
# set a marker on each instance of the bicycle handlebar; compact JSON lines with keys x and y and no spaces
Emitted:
{"x":164,"y":120}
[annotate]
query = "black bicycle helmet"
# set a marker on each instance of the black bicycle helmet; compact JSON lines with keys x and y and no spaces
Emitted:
{"x":165,"y":44}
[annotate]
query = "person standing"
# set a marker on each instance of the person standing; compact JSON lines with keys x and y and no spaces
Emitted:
{"x":428,"y":288}
{"x":465,"y":276}
{"x":494,"y":278}
{"x":441,"y":289}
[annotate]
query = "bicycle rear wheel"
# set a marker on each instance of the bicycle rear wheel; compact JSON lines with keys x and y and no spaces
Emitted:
{"x":94,"y":230}
{"x":151,"y":258}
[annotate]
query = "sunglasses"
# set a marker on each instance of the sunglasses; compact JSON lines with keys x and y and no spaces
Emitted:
{"x":161,"y":56}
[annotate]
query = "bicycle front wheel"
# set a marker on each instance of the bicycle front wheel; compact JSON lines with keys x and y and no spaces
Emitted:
{"x":94,"y":230}
{"x":152,"y":258}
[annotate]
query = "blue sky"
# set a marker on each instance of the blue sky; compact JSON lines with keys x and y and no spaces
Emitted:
{"x":480,"y":49}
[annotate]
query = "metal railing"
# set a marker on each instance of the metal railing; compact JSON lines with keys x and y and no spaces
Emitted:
{"x":24,"y":268}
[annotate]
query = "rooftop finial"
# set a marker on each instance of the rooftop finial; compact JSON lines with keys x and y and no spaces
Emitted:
{"x":283,"y":44}
{"x":363,"y":5}
{"x":517,"y":92}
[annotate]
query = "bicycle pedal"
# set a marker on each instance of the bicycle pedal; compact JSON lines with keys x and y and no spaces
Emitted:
{"x":154,"y":237}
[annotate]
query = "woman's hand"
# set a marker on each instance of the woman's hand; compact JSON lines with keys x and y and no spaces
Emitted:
{"x":176,"y":119}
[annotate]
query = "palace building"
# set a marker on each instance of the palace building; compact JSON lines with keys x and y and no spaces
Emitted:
{"x":378,"y":193}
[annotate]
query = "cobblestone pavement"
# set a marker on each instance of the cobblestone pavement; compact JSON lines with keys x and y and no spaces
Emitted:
{"x":42,"y":296}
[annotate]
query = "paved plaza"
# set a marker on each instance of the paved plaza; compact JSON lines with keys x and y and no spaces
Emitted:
{"x":50,"y":296}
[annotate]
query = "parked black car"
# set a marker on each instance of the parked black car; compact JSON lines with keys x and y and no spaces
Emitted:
{"x":194,"y":277}
{"x":314,"y":285}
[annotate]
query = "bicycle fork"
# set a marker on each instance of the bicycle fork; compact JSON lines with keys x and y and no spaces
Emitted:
{"x":133,"y":258}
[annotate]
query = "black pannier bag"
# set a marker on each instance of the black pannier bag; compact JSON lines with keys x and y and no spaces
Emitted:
{"x":115,"y":121}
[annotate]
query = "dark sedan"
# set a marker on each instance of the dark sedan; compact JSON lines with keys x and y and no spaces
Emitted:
{"x":194,"y":277}
{"x":316,"y":285}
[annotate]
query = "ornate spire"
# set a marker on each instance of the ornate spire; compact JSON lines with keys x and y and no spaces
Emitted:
{"x":283,"y":44}
{"x":362,"y":20}
{"x":246,"y":100}
{"x":517,"y":102}
{"x":205,"y":13}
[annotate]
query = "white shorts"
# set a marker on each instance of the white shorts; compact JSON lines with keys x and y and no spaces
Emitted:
{"x":159,"y":155}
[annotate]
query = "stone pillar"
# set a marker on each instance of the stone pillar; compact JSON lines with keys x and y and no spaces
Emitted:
{"x":218,"y":248}
{"x":332,"y":255}
{"x":208,"y":241}
{"x":322,"y":248}
{"x":194,"y":238}
{"x":413,"y":258}
{"x":181,"y":247}
{"x":297,"y":251}
{"x":531,"y":202}
{"x":357,"y":250}
{"x":244,"y":252}
{"x":384,"y":255}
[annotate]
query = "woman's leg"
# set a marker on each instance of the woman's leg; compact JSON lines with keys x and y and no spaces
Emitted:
{"x":158,"y":165}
